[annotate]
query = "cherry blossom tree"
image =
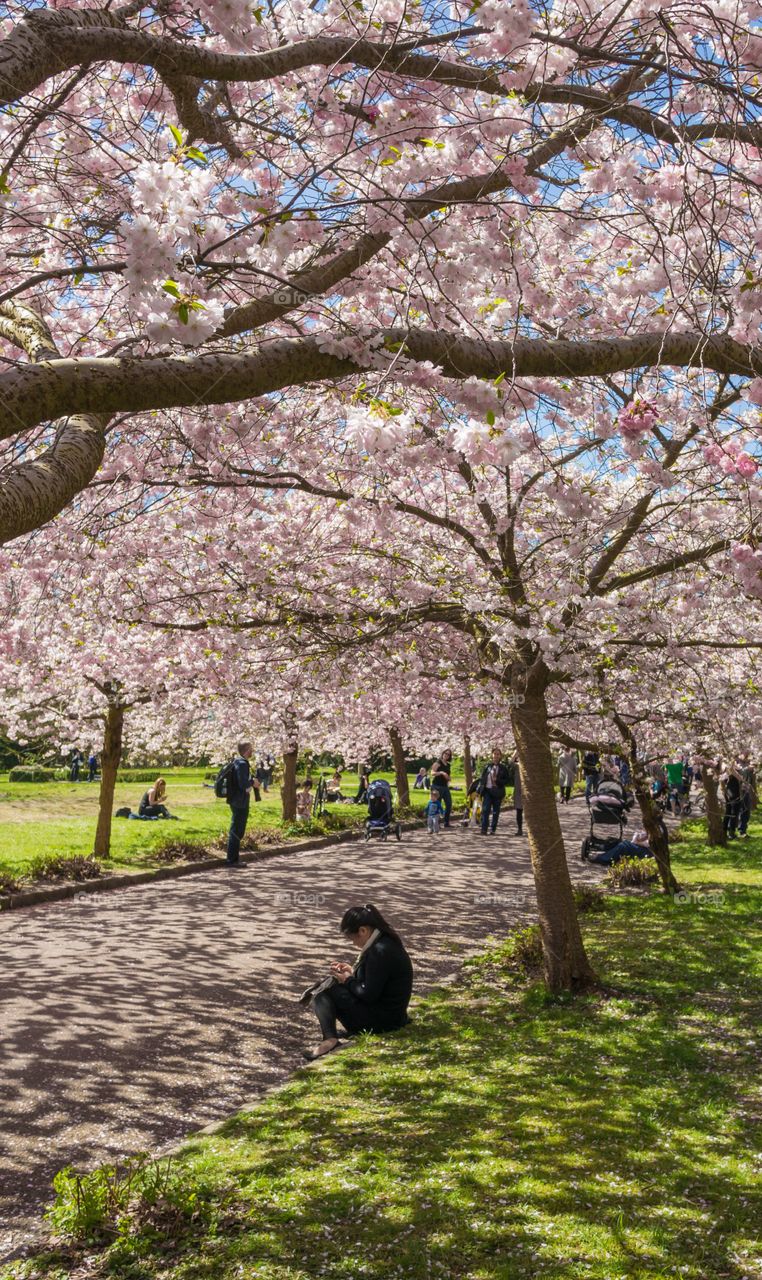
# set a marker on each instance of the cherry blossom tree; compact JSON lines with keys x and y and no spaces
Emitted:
{"x":481,"y":286}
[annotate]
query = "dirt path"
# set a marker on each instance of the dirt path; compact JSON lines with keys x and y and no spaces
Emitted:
{"x":130,"y":1019}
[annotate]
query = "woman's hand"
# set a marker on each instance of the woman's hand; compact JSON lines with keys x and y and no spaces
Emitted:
{"x":341,"y":972}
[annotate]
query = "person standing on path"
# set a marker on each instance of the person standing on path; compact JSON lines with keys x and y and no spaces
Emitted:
{"x":240,"y":785}
{"x":567,"y":774}
{"x":518,"y":799}
{"x":591,"y":768}
{"x":434,"y":812}
{"x":495,"y":778}
{"x":441,"y":772}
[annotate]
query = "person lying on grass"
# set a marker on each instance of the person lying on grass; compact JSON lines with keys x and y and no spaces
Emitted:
{"x":370,"y":995}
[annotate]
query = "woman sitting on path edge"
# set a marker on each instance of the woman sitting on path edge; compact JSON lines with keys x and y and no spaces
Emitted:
{"x":372,"y":994}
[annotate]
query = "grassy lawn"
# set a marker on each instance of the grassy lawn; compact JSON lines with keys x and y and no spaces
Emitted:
{"x":60,"y":818}
{"x":505,"y":1135}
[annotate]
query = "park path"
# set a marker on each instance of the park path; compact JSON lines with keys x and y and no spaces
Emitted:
{"x":129,"y":1019}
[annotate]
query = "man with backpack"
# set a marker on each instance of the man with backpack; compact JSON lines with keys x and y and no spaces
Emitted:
{"x":239,"y":785}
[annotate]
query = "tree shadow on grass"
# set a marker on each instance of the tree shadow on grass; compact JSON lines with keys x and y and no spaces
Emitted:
{"x":505,"y":1137}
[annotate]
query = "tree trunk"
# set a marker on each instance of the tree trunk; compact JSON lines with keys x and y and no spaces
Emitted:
{"x":656,"y":838}
{"x":715,"y":829}
{"x":468,"y":764}
{"x":288,"y":790}
{"x":111,"y":756}
{"x":567,"y":967}
{"x":400,"y":769}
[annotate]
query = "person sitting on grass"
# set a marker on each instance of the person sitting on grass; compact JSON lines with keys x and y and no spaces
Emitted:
{"x":362,"y":788}
{"x":333,"y":788}
{"x":421,"y":779}
{"x":152,"y":805}
{"x":370,"y":995}
{"x":304,"y":801}
{"x":637,"y":847}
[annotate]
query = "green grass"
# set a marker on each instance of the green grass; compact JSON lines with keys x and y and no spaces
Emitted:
{"x":60,"y":818}
{"x":506,"y":1135}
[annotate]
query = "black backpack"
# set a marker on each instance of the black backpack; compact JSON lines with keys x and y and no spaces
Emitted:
{"x":225,"y":782}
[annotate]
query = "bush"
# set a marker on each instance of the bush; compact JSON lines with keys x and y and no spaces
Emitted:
{"x":182,"y":851}
{"x":586,"y":898}
{"x":520,"y":954}
{"x":55,"y":866}
{"x":633,"y":871}
{"x":9,"y":883}
{"x":142,"y":1196}
{"x":31,"y":773}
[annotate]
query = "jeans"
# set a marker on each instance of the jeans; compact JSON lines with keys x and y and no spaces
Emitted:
{"x":446,"y":797}
{"x":154,"y":811}
{"x":432,"y":822}
{"x":239,"y":816}
{"x":490,"y":807}
{"x":591,"y":783}
{"x":730,"y":821}
{"x":744,"y":815}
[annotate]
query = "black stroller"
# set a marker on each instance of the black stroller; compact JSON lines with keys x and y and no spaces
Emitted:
{"x":608,"y":808}
{"x":380,"y":820}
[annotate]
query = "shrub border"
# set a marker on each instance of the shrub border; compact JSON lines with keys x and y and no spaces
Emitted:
{"x":104,"y":884}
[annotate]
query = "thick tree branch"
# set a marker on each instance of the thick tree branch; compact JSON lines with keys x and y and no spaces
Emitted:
{"x":104,"y":385}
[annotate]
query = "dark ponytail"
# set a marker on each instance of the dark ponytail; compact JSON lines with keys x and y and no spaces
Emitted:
{"x":355,"y":917}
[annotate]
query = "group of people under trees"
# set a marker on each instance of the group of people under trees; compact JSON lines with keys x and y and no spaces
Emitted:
{"x":78,"y":759}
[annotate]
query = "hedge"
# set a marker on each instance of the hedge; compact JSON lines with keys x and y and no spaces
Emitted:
{"x":30,"y":773}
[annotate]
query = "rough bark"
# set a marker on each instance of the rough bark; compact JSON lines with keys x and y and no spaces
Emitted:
{"x":468,"y":763}
{"x":47,"y":43}
{"x":566,"y":965}
{"x":400,"y":769}
{"x":288,"y":789}
{"x":111,"y":755}
{"x":656,"y":838}
{"x":58,"y":388}
{"x":715,"y":830}
{"x":35,"y":491}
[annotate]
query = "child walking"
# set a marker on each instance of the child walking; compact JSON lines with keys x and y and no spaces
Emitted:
{"x":434,"y":811}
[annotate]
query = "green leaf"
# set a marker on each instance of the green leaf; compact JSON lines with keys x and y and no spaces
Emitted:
{"x":172,"y":287}
{"x":490,"y":418}
{"x":499,"y":379}
{"x":193,"y":153}
{"x":176,"y":134}
{"x":183,"y":312}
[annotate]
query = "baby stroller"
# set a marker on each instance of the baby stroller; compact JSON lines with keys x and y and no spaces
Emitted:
{"x":380,"y":820}
{"x":607,"y":809}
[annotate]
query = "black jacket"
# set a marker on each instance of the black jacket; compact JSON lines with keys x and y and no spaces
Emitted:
{"x":439,"y":768}
{"x":238,"y":782}
{"x":384,"y":982}
{"x":503,"y":778}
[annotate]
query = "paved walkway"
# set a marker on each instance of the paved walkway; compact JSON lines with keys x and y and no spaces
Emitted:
{"x":131,"y":1018}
